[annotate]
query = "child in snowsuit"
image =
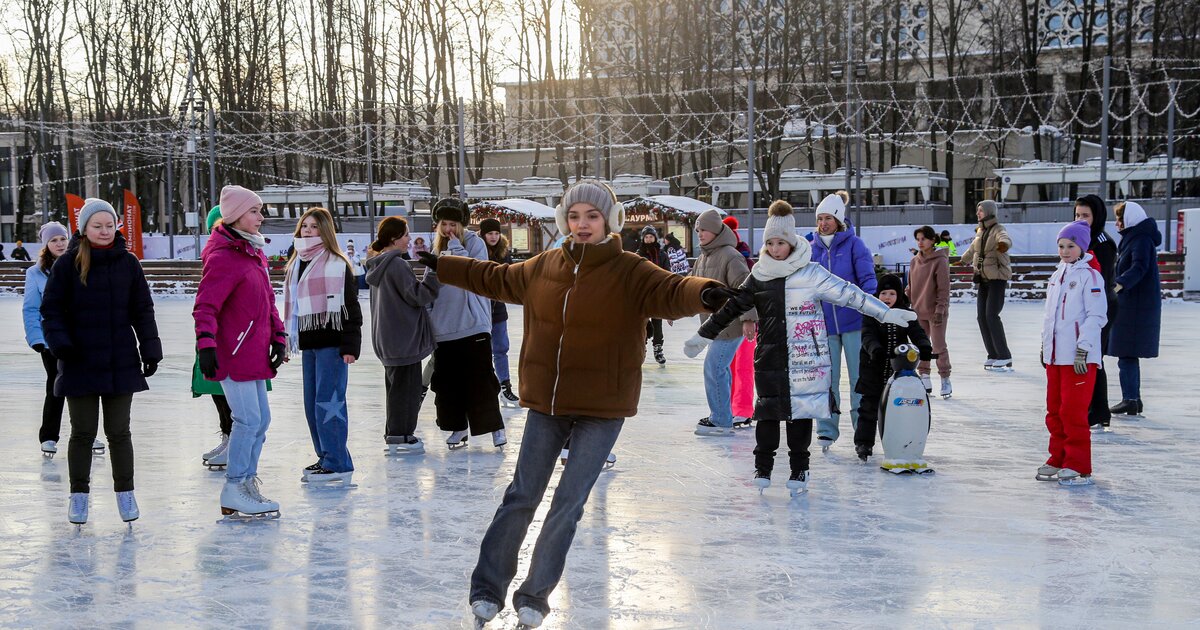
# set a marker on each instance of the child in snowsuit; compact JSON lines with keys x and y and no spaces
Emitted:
{"x":880,"y":341}
{"x":1076,"y":311}
{"x":792,"y":361}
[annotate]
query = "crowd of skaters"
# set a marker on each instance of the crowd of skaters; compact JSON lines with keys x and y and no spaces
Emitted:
{"x":589,"y":309}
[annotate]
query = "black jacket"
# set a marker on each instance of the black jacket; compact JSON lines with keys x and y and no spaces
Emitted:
{"x":499,"y":310}
{"x":103,"y":332}
{"x":1104,"y":249}
{"x":879,"y":343}
{"x":348,"y":340}
{"x":656,"y":254}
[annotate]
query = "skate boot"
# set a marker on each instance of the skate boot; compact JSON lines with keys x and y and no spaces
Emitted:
{"x":326,"y":476}
{"x":609,"y":461}
{"x":658,"y":354}
{"x":97,"y":447}
{"x":484,"y":611}
{"x":947,"y":390}
{"x":242,"y":500}
{"x":742,"y":423}
{"x":1046,"y":472}
{"x":762,"y":480}
{"x":1127,"y":408}
{"x":308,"y":470}
{"x":404,"y":445}
{"x":77,"y":508}
{"x":457,"y":440}
{"x":220,"y":448}
{"x":825,"y":443}
{"x":1068,"y":477}
{"x":987,"y":365}
{"x":49,"y":448}
{"x":706,"y":428}
{"x":507,"y":397}
{"x":928,"y":383}
{"x":218,"y":461}
{"x":1002,"y":365}
{"x":528,"y":618}
{"x":864,"y":452}
{"x":798,"y":483}
{"x":127,"y":506}
{"x":499,"y":439}
{"x":1100,"y":427}
{"x":562,"y":457}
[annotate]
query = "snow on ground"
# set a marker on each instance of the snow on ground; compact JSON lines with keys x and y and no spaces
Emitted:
{"x":674,"y":537}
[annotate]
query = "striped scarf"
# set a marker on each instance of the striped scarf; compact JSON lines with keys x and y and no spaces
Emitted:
{"x":317,"y":298}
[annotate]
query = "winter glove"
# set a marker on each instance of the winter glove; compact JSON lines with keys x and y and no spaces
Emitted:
{"x":149,"y":368}
{"x":898,"y":317}
{"x":278,"y":354}
{"x":713,"y":298}
{"x":1002,"y":247}
{"x":1117,"y":288}
{"x":694,"y":346}
{"x":1081,"y":366}
{"x":39,"y":348}
{"x":208,"y":362}
{"x":429,"y":260}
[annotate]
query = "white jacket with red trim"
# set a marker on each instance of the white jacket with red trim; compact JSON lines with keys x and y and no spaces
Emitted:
{"x":1076,"y":311}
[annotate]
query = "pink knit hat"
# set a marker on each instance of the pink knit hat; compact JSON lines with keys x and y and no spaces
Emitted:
{"x":236,"y":201}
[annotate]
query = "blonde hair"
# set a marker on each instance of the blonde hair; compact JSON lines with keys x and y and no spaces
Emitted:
{"x":1119,"y":210}
{"x":326,"y":230}
{"x":83,"y":260}
{"x":441,"y":243}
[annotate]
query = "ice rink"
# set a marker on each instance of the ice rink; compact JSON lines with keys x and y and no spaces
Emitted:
{"x":674,"y":537}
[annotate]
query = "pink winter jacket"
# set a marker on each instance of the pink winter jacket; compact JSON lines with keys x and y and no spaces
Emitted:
{"x":235,"y":308}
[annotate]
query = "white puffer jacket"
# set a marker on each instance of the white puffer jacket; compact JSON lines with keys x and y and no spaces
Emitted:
{"x":1076,"y":311}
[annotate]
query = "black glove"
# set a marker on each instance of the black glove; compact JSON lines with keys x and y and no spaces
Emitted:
{"x":208,"y":362}
{"x":714,"y":298}
{"x":278,"y":354}
{"x":39,"y":348}
{"x":149,"y":368}
{"x":429,"y":260}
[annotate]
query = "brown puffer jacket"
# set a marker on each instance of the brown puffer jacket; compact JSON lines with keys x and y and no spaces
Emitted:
{"x":585,"y":321}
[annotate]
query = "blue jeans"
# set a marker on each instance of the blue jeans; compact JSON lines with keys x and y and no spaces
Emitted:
{"x":325,"y":375}
{"x":849,"y":343}
{"x":1131,"y":378}
{"x":500,"y":350}
{"x":718,"y":380}
{"x":251,"y":417}
{"x":591,"y":441}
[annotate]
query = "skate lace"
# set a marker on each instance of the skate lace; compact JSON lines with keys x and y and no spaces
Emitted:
{"x":253,"y":490}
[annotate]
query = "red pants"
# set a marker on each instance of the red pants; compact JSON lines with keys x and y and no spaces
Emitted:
{"x":1067,"y":398}
{"x":742,"y":392}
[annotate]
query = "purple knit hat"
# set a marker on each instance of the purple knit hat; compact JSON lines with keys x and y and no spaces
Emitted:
{"x":1078,"y":232}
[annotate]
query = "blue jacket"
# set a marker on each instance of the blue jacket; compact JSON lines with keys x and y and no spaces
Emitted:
{"x":104,"y":331}
{"x":848,"y":258}
{"x":1138,"y":321}
{"x":31,"y":310}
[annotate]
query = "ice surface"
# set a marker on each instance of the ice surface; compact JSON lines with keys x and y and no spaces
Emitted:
{"x":674,"y":537}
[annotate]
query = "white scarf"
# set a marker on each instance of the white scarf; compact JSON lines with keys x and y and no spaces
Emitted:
{"x":257,"y":240}
{"x":768,"y":268}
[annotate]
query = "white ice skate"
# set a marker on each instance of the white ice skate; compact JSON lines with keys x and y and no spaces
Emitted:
{"x":97,"y":447}
{"x":218,"y":461}
{"x":562,"y":457}
{"x":762,"y":480}
{"x":457,"y":440}
{"x":127,"y":506}
{"x":528,"y":618}
{"x":610,"y":461}
{"x":507,"y":397}
{"x":706,"y":428}
{"x":825,"y":443}
{"x":742,"y":423}
{"x":947,"y":389}
{"x":484,"y":612}
{"x":326,"y":477}
{"x":1068,"y":477}
{"x":1001,"y":365}
{"x":49,"y":448}
{"x":928,"y":383}
{"x":1046,"y":472}
{"x":404,"y":445}
{"x":242,"y":500}
{"x":77,"y":508}
{"x":499,"y":439}
{"x":220,"y":448}
{"x":798,"y":483}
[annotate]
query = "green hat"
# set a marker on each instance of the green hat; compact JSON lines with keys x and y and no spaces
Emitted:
{"x":213,"y":215}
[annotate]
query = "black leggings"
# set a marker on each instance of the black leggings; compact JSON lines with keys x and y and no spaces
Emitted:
{"x":85,"y":421}
{"x":52,"y":407}
{"x":988,"y":306}
{"x":224,"y":413}
{"x":799,"y":437}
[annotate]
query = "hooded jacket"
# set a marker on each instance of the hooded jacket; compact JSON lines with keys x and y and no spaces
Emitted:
{"x":1104,"y":251}
{"x":880,"y":340}
{"x":235,"y":308}
{"x":585,"y":313}
{"x":720,"y":261}
{"x":401,"y":330}
{"x":791,"y":360}
{"x":1135,"y":331}
{"x":929,"y":284}
{"x":848,"y":258}
{"x":988,"y":253}
{"x":101,"y":332}
{"x":458,"y":313}
{"x":1075,"y":313}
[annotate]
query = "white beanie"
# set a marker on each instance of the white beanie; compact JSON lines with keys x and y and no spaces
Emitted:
{"x":781,"y":223}
{"x":596,"y":194}
{"x":1133,"y":214}
{"x":834,"y":205}
{"x":92,"y":206}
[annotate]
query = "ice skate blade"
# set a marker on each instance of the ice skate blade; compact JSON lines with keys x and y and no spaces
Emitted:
{"x":607,"y":465}
{"x":1041,"y":477}
{"x":403,"y":452}
{"x":947,"y":396}
{"x":215,"y":467}
{"x":98,"y":451}
{"x":799,"y":492}
{"x":232,"y":515}
{"x":48,"y":454}
{"x":1076,"y":481}
{"x":455,"y":447}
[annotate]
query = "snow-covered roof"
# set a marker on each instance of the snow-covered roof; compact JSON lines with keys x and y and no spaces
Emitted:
{"x":901,"y":176}
{"x":670,"y":207}
{"x":1041,"y":172}
{"x":631,"y":185}
{"x":543,"y":188}
{"x":525,"y":207}
{"x":349,"y":192}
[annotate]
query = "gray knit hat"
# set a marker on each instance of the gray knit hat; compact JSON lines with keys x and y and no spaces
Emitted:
{"x":92,"y":206}
{"x":988,"y":206}
{"x":596,"y":194}
{"x":781,"y":222}
{"x":710,"y":221}
{"x":51,"y":230}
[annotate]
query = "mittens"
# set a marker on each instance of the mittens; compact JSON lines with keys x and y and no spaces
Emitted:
{"x":694,"y":346}
{"x":898,"y":317}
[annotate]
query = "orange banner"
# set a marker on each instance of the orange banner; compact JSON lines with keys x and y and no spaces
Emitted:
{"x":132,"y":224}
{"x":74,"y":205}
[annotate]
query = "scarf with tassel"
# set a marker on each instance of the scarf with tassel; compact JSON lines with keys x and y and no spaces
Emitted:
{"x":317,"y":298}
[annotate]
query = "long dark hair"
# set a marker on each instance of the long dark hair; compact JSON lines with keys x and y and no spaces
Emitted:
{"x":46,"y":259}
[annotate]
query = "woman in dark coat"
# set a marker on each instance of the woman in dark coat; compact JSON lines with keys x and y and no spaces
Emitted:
{"x":1091,"y":208}
{"x":651,"y":249}
{"x":98,"y":319}
{"x":1139,"y":302}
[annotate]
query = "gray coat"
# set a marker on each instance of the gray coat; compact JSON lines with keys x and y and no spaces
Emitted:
{"x":401,"y":331}
{"x":721,"y":261}
{"x":458,"y":313}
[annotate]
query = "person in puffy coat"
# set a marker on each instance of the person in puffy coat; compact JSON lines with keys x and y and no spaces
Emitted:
{"x":792,"y":360}
{"x":928,"y":291}
{"x":988,"y":254}
{"x":1138,"y":322}
{"x":1075,"y":314}
{"x":836,"y":248}
{"x":98,"y":320}
{"x":880,"y":341}
{"x":54,"y":237}
{"x":240,"y":340}
{"x":1091,"y":209}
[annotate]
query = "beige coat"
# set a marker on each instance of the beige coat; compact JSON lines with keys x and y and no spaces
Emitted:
{"x":721,"y":261}
{"x":988,"y":253}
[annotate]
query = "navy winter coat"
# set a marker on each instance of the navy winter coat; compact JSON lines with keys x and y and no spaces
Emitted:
{"x":1139,"y":303}
{"x":103,"y":332}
